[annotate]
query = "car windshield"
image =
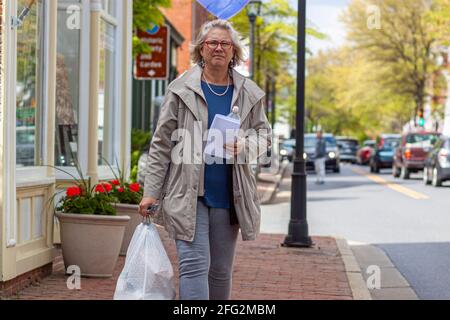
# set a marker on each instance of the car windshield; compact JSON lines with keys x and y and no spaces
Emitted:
{"x":289,"y":143}
{"x":390,"y":143}
{"x":421,"y":140}
{"x":347,"y":143}
{"x":310,"y":142}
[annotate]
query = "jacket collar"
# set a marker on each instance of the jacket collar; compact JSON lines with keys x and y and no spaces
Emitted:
{"x":192,"y":81}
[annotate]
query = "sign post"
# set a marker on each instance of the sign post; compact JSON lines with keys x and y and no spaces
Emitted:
{"x":153,"y":65}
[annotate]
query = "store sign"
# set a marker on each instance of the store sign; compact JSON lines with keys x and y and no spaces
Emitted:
{"x":153,"y":65}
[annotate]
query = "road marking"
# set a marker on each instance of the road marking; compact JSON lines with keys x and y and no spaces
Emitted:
{"x":394,"y":186}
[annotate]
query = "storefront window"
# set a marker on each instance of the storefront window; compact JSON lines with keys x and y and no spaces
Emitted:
{"x":106,"y":99}
{"x":67,"y":82}
{"x":29,"y":89}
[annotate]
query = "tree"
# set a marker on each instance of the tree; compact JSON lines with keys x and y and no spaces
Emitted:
{"x":344,"y":96}
{"x":401,"y":48}
{"x":439,"y":20}
{"x":276,"y":51}
{"x":145,"y":14}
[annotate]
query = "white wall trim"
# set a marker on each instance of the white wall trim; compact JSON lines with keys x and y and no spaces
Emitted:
{"x":119,"y":87}
{"x":84,"y":91}
{"x":10,"y":137}
{"x":45,"y":79}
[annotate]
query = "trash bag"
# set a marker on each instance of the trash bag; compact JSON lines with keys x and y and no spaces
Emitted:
{"x":148,"y":273}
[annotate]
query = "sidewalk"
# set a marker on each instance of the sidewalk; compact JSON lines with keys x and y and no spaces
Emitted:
{"x":264,"y":270}
{"x":269,"y":181}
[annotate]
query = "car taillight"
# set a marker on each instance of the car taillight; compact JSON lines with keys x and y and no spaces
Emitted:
{"x":408,"y":154}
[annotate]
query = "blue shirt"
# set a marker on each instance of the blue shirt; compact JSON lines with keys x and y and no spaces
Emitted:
{"x":217,"y":175}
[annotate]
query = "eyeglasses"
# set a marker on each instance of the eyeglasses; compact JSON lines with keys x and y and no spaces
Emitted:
{"x":213,"y":44}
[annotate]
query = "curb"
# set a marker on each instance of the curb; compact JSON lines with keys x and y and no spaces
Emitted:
{"x":393,"y":284}
{"x":353,"y":271}
{"x":276,"y":184}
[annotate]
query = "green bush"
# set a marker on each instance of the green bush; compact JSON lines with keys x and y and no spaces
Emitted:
{"x":140,"y":140}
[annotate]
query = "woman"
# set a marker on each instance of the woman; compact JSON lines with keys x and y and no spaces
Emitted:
{"x":203,"y":205}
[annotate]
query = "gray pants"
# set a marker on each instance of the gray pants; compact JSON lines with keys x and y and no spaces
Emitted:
{"x":320,"y":169}
{"x":206,"y":264}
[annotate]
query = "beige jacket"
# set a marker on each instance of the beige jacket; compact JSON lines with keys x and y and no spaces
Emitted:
{"x":177,"y":185}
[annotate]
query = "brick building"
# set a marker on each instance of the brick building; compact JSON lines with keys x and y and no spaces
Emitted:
{"x":187,"y":16}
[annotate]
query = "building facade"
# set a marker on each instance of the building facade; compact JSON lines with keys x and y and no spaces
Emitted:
{"x":184,"y":19}
{"x":65,"y":100}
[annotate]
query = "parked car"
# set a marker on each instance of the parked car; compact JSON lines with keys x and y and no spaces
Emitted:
{"x":410,"y":155}
{"x":348,"y":147}
{"x":332,"y":161}
{"x":383,"y":153}
{"x":365,"y":152}
{"x":287,"y":149}
{"x":437,"y":163}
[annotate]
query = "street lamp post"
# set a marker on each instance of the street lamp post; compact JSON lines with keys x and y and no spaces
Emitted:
{"x":298,"y":235}
{"x":253,"y":11}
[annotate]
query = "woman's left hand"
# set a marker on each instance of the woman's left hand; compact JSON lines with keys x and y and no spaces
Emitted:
{"x":235,"y":148}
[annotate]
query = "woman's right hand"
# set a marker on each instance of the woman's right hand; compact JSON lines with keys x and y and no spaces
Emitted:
{"x":145,"y":204}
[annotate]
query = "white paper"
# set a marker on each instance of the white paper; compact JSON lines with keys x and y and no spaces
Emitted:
{"x":223,"y":130}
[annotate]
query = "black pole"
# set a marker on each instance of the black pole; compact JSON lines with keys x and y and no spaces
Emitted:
{"x":252,"y":46}
{"x":274,"y":96}
{"x":298,"y":225}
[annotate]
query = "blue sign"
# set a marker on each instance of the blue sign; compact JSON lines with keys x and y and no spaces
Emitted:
{"x":224,"y":9}
{"x":154,"y":30}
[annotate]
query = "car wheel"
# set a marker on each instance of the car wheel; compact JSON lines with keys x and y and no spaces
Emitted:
{"x":337,"y":169}
{"x":426,"y":176}
{"x":404,"y":173}
{"x":436,"y":181}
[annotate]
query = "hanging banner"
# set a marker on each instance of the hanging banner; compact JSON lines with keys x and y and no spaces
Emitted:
{"x":224,"y":9}
{"x":153,"y":65}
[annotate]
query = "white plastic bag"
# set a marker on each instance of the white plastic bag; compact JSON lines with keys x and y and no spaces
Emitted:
{"x":148,"y":273}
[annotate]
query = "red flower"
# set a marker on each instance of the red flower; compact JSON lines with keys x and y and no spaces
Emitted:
{"x":115,"y":183}
{"x":103,"y":187}
{"x":120,"y":189}
{"x":135,"y":187}
{"x":73,"y":191}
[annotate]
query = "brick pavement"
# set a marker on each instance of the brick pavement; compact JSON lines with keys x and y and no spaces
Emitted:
{"x":263,"y":271}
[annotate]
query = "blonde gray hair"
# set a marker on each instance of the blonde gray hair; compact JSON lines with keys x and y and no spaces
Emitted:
{"x":238,"y":56}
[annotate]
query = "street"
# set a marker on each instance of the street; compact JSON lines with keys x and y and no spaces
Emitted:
{"x":409,"y":221}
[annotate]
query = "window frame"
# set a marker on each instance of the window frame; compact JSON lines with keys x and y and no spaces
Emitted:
{"x":33,"y":175}
{"x":104,"y":172}
{"x":83,"y":92}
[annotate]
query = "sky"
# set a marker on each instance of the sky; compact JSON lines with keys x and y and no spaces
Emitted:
{"x":324,"y":15}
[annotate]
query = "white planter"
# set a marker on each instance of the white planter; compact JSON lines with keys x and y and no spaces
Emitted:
{"x":131,"y":210}
{"x":91,"y":242}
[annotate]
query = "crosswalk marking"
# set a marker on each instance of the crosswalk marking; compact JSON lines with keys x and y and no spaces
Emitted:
{"x":394,"y":186}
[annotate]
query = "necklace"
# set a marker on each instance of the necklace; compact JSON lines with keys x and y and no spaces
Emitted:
{"x":218,"y":94}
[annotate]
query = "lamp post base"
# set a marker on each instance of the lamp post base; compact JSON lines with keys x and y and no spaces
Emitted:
{"x":301,"y":243}
{"x":296,"y":238}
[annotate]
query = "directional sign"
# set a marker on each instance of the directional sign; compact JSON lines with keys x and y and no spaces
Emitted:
{"x":153,"y":65}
